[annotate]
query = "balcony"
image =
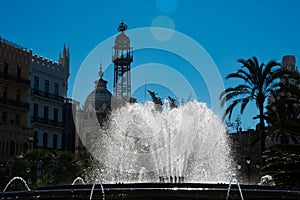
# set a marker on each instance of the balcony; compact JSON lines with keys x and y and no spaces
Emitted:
{"x":47,"y":95}
{"x":47,"y":121}
{"x":15,"y":79}
{"x":123,"y":60}
{"x":14,"y":103}
{"x":12,"y":128}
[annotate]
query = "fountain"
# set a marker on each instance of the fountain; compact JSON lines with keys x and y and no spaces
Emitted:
{"x":78,"y":179}
{"x":14,"y":179}
{"x":229,"y":187}
{"x":149,"y":153}
{"x":146,"y":144}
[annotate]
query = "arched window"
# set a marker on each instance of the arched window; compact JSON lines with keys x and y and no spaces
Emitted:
{"x":17,"y":148}
{"x":25,"y":147}
{"x":12,"y":148}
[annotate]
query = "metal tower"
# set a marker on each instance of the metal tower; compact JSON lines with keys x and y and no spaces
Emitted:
{"x":122,"y":58}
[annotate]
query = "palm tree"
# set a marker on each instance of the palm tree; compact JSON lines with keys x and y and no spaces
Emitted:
{"x":258,"y":82}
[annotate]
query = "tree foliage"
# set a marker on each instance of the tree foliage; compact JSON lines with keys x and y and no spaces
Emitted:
{"x":257,"y":82}
{"x":282,"y":163}
{"x":40,"y":167}
{"x":283,"y":111}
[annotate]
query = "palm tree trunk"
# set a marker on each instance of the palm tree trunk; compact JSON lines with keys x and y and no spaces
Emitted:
{"x":262,"y":127}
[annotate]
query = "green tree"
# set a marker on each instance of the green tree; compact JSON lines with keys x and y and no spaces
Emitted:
{"x":283,"y":111}
{"x":66,"y":168}
{"x":258,"y":81}
{"x":25,"y":165}
{"x":54,"y":167}
{"x":282,"y":162}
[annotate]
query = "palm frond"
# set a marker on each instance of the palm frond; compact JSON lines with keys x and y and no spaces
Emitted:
{"x":231,"y":93}
{"x":230,"y":108}
{"x":245,"y":102}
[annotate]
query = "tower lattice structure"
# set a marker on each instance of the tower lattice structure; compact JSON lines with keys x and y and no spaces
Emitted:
{"x":122,"y":59}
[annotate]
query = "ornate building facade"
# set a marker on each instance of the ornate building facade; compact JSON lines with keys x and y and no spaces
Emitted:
{"x":49,"y":85}
{"x":291,"y":107}
{"x":100,"y":101}
{"x":94,"y":112}
{"x":15,"y":134}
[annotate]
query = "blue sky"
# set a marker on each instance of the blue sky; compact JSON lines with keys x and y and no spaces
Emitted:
{"x":227,"y":30}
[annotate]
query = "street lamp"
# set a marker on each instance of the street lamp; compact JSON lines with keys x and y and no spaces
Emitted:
{"x":257,"y":165}
{"x":248,"y":161}
{"x":238,"y":166}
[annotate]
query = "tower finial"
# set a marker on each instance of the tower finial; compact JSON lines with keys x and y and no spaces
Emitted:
{"x":101,"y":72}
{"x":122,"y":27}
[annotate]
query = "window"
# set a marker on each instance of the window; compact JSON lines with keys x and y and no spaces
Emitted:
{"x":12,"y":148}
{"x":5,"y":68}
{"x":19,"y":71}
{"x":45,"y":140}
{"x":46,"y":86}
{"x":4,"y":117}
{"x":4,"y":92}
{"x":46,"y":112}
{"x":36,"y":83}
{"x":18,"y":96}
{"x":36,"y":140}
{"x":3,"y":147}
{"x":25,"y":147}
{"x":55,"y":114}
{"x":17,"y":149}
{"x":17,"y":119}
{"x":56,"y":87}
{"x":35,"y":110}
{"x":54,"y":141}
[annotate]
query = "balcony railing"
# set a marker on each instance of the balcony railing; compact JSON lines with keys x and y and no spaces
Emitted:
{"x":15,"y":128}
{"x":16,"y":79}
{"x":123,"y":60}
{"x":47,"y":121}
{"x":14,"y":103}
{"x":47,"y":95}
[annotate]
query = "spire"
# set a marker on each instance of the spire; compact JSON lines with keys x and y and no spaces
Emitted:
{"x":65,"y":50}
{"x":68,"y":51}
{"x":101,"y":73}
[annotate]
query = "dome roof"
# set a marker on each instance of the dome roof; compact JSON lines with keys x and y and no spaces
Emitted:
{"x":97,"y":98}
{"x":122,"y":42}
{"x":100,"y":97}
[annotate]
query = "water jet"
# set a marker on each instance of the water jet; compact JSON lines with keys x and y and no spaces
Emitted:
{"x":179,"y":153}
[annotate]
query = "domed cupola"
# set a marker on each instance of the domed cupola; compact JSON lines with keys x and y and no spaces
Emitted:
{"x":122,"y":41}
{"x":100,"y":98}
{"x":102,"y":95}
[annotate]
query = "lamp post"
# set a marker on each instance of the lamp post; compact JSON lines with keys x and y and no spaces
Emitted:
{"x":238,"y":171}
{"x":238,"y":166}
{"x":257,"y":166}
{"x":248,"y":162}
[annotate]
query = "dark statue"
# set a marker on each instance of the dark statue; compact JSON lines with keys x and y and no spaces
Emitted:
{"x":172,"y":102}
{"x":155,"y":99}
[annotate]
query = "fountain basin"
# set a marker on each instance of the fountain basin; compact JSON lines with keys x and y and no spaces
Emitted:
{"x":151,"y":191}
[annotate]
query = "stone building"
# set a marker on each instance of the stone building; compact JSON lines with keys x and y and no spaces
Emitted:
{"x":288,"y":63}
{"x":49,"y":85}
{"x":246,"y":156}
{"x":15,"y":134}
{"x":93,"y":113}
